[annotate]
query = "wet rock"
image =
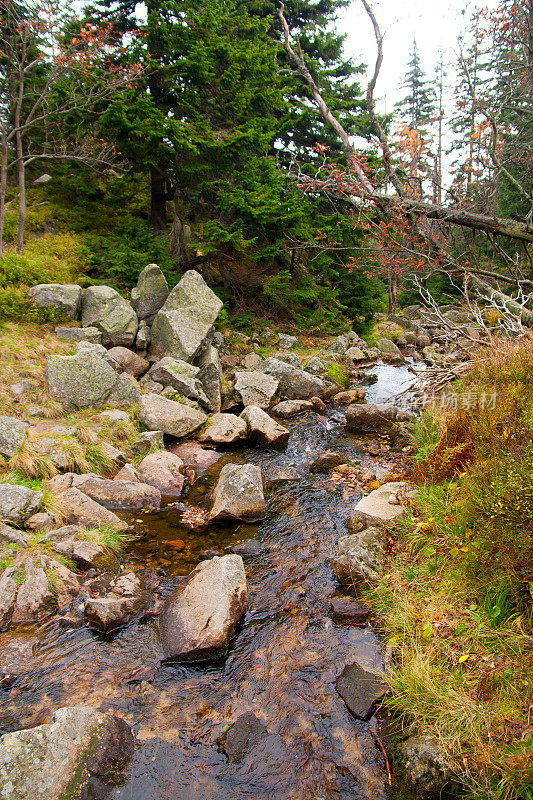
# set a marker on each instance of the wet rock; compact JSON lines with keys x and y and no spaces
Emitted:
{"x":196,"y":457}
{"x":67,"y":298}
{"x":327,"y":461}
{"x":79,"y":754}
{"x":8,"y":592}
{"x":89,"y":334}
{"x":183,"y":326}
{"x":103,"y":308}
{"x":126,"y":599}
{"x":376,"y":508}
{"x":163,"y":470}
{"x":175,"y":419}
{"x":128,"y":361}
{"x":290,"y":408}
{"x":116,"y":494}
{"x":71,"y":620}
{"x":12,"y":536}
{"x":206,"y":555}
{"x":34,"y":598}
{"x":256,"y":388}
{"x":425,"y":764}
{"x":294,"y":384}
{"x":148,"y":440}
{"x":350,"y":396}
{"x":81,"y":380}
{"x":224,"y":429}
{"x":150,"y":293}
{"x":262,"y":428}
{"x":285,"y":341}
{"x":370,"y":417}
{"x":199,"y":618}
{"x":247,"y":548}
{"x":18,"y":503}
{"x":318,"y":405}
{"x":400,"y":435}
{"x":127,"y":473}
{"x":65,"y":583}
{"x":315,"y":366}
{"x":360,"y":690}
{"x":242,"y":736}
{"x":17,"y":656}
{"x":13,"y":434}
{"x":238,"y":494}
{"x":359,"y":557}
{"x":84,"y":511}
{"x":349,"y":611}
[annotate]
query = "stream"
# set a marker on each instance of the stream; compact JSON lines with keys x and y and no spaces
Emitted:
{"x":282,"y":665}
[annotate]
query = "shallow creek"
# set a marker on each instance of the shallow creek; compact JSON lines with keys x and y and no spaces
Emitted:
{"x":284,"y":661}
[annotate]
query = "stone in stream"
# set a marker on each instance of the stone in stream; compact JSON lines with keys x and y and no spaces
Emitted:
{"x":126,"y":598}
{"x":8,"y":592}
{"x":196,"y":457}
{"x":80,"y":754}
{"x":115,"y":495}
{"x":359,"y":557}
{"x":389,"y":350}
{"x":350,"y":396}
{"x":67,"y":297}
{"x":102,"y":307}
{"x":87,"y":553}
{"x":248,"y":548}
{"x":34,"y":598}
{"x":199,"y":618}
{"x":242,"y":736}
{"x":360,"y":690}
{"x":150,"y":293}
{"x":255,"y":388}
{"x":377,"y":509}
{"x":163,"y":470}
{"x":238,"y":494}
{"x":290,"y":408}
{"x":13,"y":434}
{"x":224,"y":429}
{"x":18,"y":503}
{"x":327,"y":461}
{"x":294,"y":384}
{"x":17,"y":657}
{"x":349,"y":610}
{"x":370,"y":417}
{"x":176,"y":419}
{"x":262,"y":428}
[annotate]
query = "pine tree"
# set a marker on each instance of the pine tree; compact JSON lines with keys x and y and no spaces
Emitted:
{"x":417,"y":107}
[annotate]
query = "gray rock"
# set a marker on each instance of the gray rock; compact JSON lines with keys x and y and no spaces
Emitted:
{"x":199,"y":618}
{"x":115,"y":457}
{"x":370,"y":417}
{"x":360,"y":690}
{"x":183,"y":326}
{"x":251,"y":361}
{"x":143,"y":337}
{"x":8,"y":592}
{"x":113,"y":494}
{"x":339,"y":345}
{"x":114,"y":417}
{"x":196,"y":456}
{"x":163,"y":470}
{"x":79,"y":334}
{"x":65,"y":583}
{"x":125,"y":393}
{"x":34,"y":598}
{"x":126,"y":598}
{"x":13,"y":434}
{"x":210,"y":377}
{"x":105,"y":309}
{"x":289,"y":358}
{"x":128,"y":361}
{"x":176,"y":419}
{"x":41,"y":521}
{"x":54,"y":295}
{"x":359,"y":557}
{"x":426,"y":766}
{"x":148,"y":440}
{"x":263,"y":429}
{"x":44,"y":178}
{"x":290,"y":408}
{"x":387,"y":348}
{"x":82,"y":510}
{"x":285,"y":341}
{"x":127,"y":473}
{"x":376,"y":508}
{"x":315,"y":366}
{"x":79,"y":754}
{"x":150,"y":293}
{"x":224,"y":429}
{"x":18,"y":503}
{"x":327,"y":461}
{"x":60,"y":534}
{"x":20,"y":388}
{"x":181,"y":376}
{"x":249,"y":548}
{"x":294,"y":384}
{"x":87,"y":554}
{"x":12,"y":536}
{"x":256,"y":388}
{"x":81,"y":380}
{"x":356,"y":354}
{"x":238,"y":494}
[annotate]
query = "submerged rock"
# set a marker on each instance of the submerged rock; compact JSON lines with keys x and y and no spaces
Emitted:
{"x":327,"y":461}
{"x":126,"y":598}
{"x":360,"y":690}
{"x":238,"y":494}
{"x":349,"y":610}
{"x":79,"y":754}
{"x":199,"y":618}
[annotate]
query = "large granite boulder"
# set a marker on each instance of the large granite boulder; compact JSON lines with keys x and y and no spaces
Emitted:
{"x":175,"y":419}
{"x":389,"y":350}
{"x":199,"y":618}
{"x":13,"y":434}
{"x":370,"y":417}
{"x":18,"y":503}
{"x":381,"y":507}
{"x":238,"y":494}
{"x":80,"y":754}
{"x":79,"y":508}
{"x":183,"y":326}
{"x":54,"y":295}
{"x":128,"y":361}
{"x":163,"y":470}
{"x":256,"y":388}
{"x":181,"y":376}
{"x":105,"y":309}
{"x":113,"y":494}
{"x":262,"y":428}
{"x":294,"y":384}
{"x":150,"y":293}
{"x":359,"y":557}
{"x":315,"y":366}
{"x":81,"y":380}
{"x":79,"y":334}
{"x":224,"y":429}
{"x":210,"y":376}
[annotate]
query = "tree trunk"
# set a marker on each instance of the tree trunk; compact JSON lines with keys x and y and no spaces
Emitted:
{"x":21,"y":181}
{"x":3,"y":186}
{"x":392,"y":290}
{"x":485,"y":289}
{"x":158,"y":201}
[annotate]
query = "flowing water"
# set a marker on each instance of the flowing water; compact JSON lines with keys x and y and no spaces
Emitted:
{"x":282,"y":665}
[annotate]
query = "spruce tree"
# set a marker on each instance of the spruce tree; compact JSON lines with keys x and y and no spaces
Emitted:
{"x":417,"y":107}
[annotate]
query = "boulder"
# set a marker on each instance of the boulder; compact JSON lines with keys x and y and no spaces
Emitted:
{"x":426,"y":766}
{"x":238,"y":494}
{"x":356,"y":354}
{"x":54,"y":295}
{"x":81,"y":380}
{"x":87,"y":554}
{"x":370,"y":417}
{"x":10,"y":535}
{"x":359,"y":557}
{"x":196,"y":457}
{"x":183,"y":326}
{"x":163,"y":470}
{"x":290,"y":408}
{"x":327,"y":461}
{"x":79,"y":754}
{"x":13,"y":434}
{"x":210,"y":377}
{"x":315,"y":366}
{"x":199,"y":618}
{"x":143,"y":338}
{"x":360,"y":690}
{"x":377,"y":509}
{"x":128,"y":361}
{"x":251,"y":361}
{"x":350,"y":396}
{"x":34,"y":598}
{"x":285,"y":341}
{"x":181,"y":376}
{"x":126,"y":598}
{"x":388,"y":349}
{"x":65,"y":583}
{"x":127,"y":473}
{"x":18,"y":503}
{"x":79,"y":334}
{"x":82,"y":510}
{"x":263,"y":429}
{"x":105,"y":309}
{"x":150,"y":293}
{"x":8,"y":592}
{"x":289,"y":358}
{"x":256,"y":388}
{"x":224,"y":429}
{"x":349,"y":611}
{"x":339,"y":345}
{"x":175,"y":419}
{"x":125,"y":393}
{"x":97,"y":350}
{"x":294,"y":384}
{"x":117,"y":494}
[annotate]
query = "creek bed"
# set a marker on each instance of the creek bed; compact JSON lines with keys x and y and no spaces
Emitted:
{"x":282,"y":665}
